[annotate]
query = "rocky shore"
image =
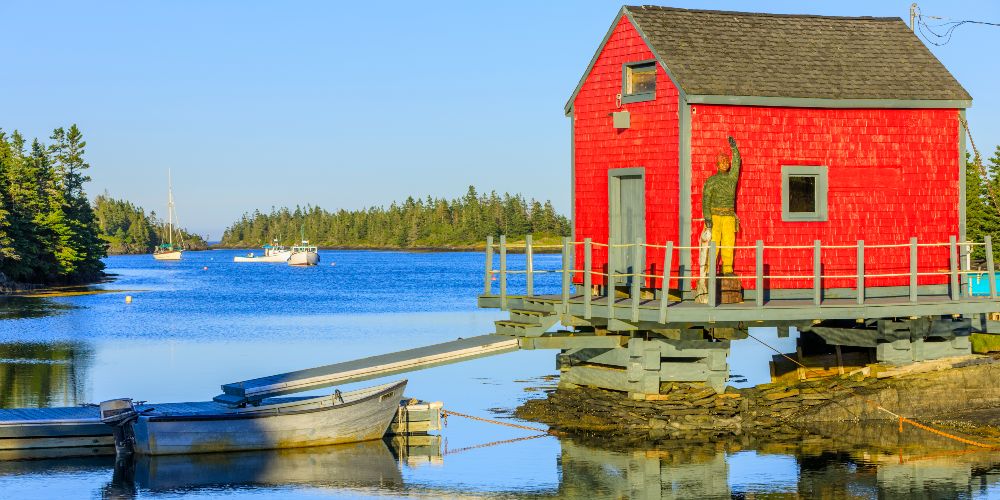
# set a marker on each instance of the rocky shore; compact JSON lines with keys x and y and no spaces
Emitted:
{"x":960,"y":394}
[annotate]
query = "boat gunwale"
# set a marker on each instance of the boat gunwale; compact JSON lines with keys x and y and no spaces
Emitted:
{"x":262,"y":414}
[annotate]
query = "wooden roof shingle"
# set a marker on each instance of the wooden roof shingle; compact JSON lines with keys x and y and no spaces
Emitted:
{"x":722,"y":53}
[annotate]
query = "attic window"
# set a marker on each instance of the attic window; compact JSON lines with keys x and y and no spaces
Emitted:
{"x":803,"y":193}
{"x":638,"y":81}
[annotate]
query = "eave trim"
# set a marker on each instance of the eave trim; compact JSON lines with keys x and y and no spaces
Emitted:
{"x":811,"y":102}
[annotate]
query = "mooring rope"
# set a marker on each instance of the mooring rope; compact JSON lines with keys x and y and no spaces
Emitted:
{"x":492,"y":443}
{"x":446,"y":413}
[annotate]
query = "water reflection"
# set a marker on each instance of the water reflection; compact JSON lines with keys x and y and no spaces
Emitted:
{"x":359,"y":467}
{"x":30,"y":307}
{"x":588,"y":468}
{"x":34,"y":374}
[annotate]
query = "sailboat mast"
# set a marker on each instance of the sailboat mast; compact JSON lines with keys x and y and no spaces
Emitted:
{"x":170,"y":209}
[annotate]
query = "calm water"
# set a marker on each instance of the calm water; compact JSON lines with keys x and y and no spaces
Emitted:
{"x":205,"y":321}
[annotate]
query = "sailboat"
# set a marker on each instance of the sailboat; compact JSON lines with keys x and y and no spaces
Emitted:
{"x":167,"y":251}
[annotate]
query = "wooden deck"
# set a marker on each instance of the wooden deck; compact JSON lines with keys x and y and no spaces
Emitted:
{"x":775,"y":310}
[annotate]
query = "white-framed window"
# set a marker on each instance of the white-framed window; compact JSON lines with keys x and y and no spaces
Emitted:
{"x":804,"y":193}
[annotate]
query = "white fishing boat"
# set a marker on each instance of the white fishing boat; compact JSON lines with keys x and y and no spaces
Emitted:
{"x":276,"y":253}
{"x":304,"y":255}
{"x":168,"y":251}
{"x":349,"y":417}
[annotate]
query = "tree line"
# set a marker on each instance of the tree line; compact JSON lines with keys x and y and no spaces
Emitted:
{"x":127,"y":229}
{"x":415,"y":223}
{"x":48,"y":233}
{"x":982,"y":200}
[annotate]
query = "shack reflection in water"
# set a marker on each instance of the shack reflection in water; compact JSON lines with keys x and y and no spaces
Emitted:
{"x":808,"y":468}
{"x":895,"y":466}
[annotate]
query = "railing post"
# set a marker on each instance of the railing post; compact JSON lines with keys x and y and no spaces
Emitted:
{"x":488,"y":282}
{"x":953,"y":267}
{"x":913,"y":269}
{"x":566,"y":275}
{"x":861,"y":271}
{"x":990,"y":267}
{"x":759,"y":271}
{"x":587,"y":278}
{"x":503,"y":272}
{"x":610,"y":289}
{"x":637,"y":271}
{"x":529,"y":277}
{"x":712,"y":254}
{"x":817,"y":273}
{"x":668,"y":257}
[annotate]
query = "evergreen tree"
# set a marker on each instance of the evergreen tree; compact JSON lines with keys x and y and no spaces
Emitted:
{"x":47,"y":229}
{"x":417,"y":222}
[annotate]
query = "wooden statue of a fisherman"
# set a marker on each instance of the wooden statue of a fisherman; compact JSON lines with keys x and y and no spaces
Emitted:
{"x":718,"y":205}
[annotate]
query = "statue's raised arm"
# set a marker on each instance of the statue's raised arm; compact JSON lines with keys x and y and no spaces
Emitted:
{"x":737,"y":162}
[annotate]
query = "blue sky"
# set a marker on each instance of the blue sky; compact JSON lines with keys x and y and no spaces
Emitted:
{"x":256,"y":104}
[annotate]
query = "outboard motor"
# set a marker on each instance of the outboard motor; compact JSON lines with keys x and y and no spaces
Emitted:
{"x":120,"y":415}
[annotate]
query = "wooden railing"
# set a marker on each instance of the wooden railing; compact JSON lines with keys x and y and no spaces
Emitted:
{"x":955,"y":271}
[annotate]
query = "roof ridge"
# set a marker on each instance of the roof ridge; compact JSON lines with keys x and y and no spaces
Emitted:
{"x":760,"y":14}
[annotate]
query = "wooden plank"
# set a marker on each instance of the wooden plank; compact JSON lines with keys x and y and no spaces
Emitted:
{"x":953,"y":289}
{"x":759,"y":271}
{"x":861,"y":271}
{"x":382,"y":365}
{"x":817,"y":273}
{"x":990,"y":271}
{"x":503,"y":272}
{"x":668,"y":256}
{"x":488,"y":281}
{"x":638,"y":266}
{"x":712,"y":287}
{"x":529,"y":277}
{"x":558,"y":340}
{"x":588,"y":278}
{"x":913,"y":269}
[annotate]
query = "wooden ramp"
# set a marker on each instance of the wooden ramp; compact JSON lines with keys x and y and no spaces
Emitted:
{"x":251,"y":391}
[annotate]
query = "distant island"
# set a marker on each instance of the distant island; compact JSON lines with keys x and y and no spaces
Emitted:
{"x":413,"y":224}
{"x":128,"y":230}
{"x":48,"y":233}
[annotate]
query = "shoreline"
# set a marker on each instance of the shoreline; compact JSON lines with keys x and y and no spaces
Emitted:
{"x":18,"y":289}
{"x":429,"y":249}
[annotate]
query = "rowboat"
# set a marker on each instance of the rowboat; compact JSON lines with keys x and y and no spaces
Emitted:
{"x":276,"y":423}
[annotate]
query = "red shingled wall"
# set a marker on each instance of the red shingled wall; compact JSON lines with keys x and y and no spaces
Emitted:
{"x":651,"y":142}
{"x":893,"y":174}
